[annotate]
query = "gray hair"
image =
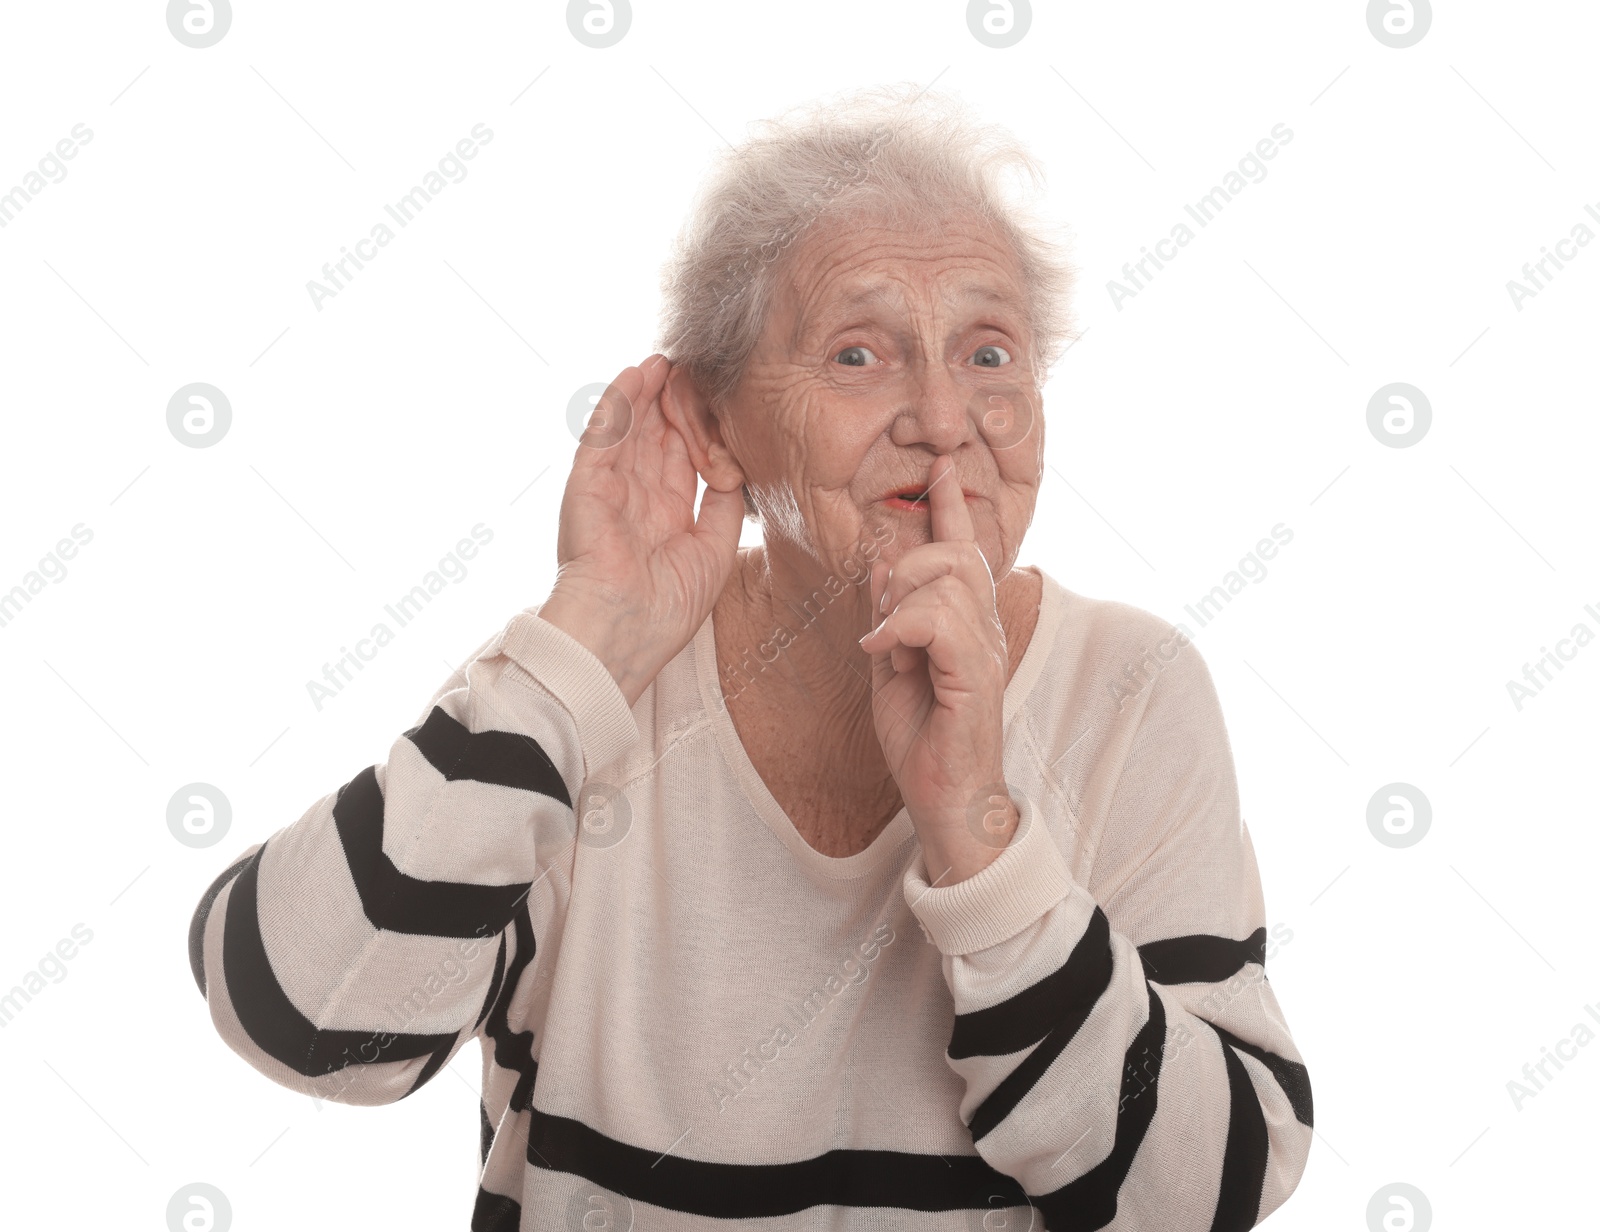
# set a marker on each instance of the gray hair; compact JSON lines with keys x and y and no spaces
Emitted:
{"x":895,"y":154}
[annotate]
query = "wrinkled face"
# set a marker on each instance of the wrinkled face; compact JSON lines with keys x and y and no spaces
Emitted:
{"x":883,"y":350}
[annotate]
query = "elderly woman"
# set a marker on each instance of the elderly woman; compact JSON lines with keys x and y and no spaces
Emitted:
{"x":856,"y":879}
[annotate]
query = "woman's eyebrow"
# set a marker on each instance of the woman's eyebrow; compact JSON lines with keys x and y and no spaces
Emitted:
{"x":868,"y":295}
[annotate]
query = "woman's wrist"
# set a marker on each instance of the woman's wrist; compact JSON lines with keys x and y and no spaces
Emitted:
{"x":594,"y":627}
{"x":963,"y":847}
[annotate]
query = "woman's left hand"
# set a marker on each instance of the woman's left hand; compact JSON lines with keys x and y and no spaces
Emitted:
{"x":939,"y":668}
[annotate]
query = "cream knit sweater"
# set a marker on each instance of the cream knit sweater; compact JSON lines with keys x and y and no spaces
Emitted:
{"x":688,"y":1016}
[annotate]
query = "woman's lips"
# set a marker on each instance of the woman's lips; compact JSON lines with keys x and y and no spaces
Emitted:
{"x":898,"y":501}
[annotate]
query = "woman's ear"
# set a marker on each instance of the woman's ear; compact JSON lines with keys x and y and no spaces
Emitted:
{"x":688,"y":410}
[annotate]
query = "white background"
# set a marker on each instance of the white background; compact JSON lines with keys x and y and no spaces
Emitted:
{"x":368,"y":437}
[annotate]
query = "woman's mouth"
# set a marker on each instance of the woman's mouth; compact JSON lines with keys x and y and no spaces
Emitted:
{"x":908,"y":498}
{"x":914,"y":498}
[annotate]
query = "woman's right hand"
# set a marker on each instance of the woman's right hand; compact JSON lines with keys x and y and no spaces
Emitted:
{"x":637,"y":573}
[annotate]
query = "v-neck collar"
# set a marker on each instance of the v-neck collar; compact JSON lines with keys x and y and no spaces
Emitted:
{"x":899,"y":830}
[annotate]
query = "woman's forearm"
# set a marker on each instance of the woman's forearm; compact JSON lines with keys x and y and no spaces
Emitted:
{"x":355,"y":951}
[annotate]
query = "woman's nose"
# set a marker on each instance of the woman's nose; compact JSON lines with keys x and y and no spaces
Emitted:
{"x":942,"y":407}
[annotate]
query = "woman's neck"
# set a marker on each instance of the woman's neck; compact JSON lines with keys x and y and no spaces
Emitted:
{"x":799,"y":692}
{"x":792,"y":638}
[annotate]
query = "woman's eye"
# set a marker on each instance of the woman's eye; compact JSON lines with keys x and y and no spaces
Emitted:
{"x":991,"y":356}
{"x":856,"y":356}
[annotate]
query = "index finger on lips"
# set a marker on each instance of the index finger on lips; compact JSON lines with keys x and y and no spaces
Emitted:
{"x":947,"y":503}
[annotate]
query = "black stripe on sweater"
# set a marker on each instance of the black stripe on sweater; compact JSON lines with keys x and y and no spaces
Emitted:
{"x":1090,"y":1201}
{"x":1065,"y":995}
{"x":754,"y":1191}
{"x":271,"y":1020}
{"x":1292,"y":1076}
{"x":435,"y":1063}
{"x":1244,"y":1159}
{"x":1201,"y":958}
{"x":197,"y":922}
{"x":494,"y":983}
{"x":509,"y":759}
{"x":405,"y":904}
{"x":514,"y":1050}
{"x":1095,"y":965}
{"x":495,"y":1213}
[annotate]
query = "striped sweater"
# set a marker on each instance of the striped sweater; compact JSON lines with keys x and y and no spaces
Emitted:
{"x":687,"y":1015}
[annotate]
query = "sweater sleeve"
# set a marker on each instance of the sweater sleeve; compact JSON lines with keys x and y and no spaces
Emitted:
{"x":1123,"y":1055}
{"x":355,"y":951}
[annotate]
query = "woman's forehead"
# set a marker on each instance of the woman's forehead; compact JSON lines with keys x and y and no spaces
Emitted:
{"x":884,"y":269}
{"x":952,"y":243}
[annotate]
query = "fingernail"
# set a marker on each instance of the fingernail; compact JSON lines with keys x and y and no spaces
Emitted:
{"x":883,"y":602}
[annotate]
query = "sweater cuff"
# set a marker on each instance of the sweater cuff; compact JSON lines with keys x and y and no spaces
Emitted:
{"x":1017,"y":888}
{"x":569,"y":671}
